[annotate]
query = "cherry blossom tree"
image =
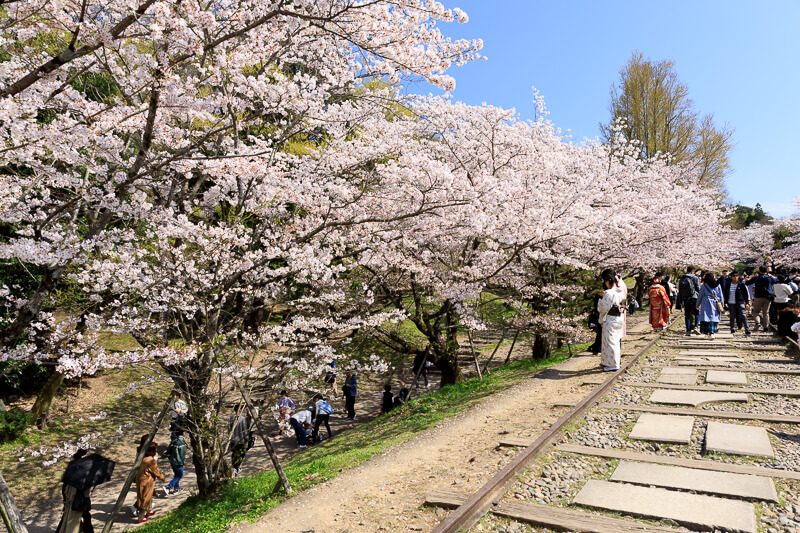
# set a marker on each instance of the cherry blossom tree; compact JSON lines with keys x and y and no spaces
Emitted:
{"x":191,"y":165}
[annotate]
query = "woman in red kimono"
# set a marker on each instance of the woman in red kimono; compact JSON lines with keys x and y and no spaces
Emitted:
{"x":659,"y":304}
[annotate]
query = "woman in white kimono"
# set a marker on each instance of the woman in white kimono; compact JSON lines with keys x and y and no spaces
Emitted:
{"x":612,"y":316}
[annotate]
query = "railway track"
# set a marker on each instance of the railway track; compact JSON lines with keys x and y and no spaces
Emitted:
{"x":690,"y":433}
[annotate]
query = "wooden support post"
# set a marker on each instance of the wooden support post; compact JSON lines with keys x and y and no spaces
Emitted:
{"x":112,"y":517}
{"x":283,"y":480}
{"x":8,"y":509}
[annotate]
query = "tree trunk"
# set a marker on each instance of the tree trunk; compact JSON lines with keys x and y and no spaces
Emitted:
{"x":9,"y":511}
{"x":451,"y":371}
{"x":40,"y":412}
{"x":641,"y":282}
{"x":541,"y":346}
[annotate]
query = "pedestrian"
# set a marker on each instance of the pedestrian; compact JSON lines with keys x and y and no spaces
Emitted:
{"x":787,"y":318}
{"x":75,"y":520}
{"x":723,"y":279}
{"x":688,"y":291}
{"x":142,"y":439}
{"x":387,"y":401}
{"x":762,"y":297}
{"x":420,"y":368}
{"x":401,"y":398}
{"x":737,"y":302}
{"x":672,"y":291}
{"x":330,"y":379}
{"x":177,"y":411}
{"x":659,"y":304}
{"x":176,"y":453}
{"x":300,"y":421}
{"x":593,"y":321}
{"x":612,"y":318}
{"x":350,"y":390}
{"x":783,"y":297}
{"x":711,"y":303}
{"x":322,"y":415}
{"x":146,"y":482}
{"x":240,"y":428}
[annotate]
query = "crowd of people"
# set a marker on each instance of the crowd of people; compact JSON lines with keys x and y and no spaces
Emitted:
{"x":767,"y":298}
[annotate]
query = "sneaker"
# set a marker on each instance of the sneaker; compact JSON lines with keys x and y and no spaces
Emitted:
{"x":166,"y":491}
{"x":177,"y":490}
{"x":688,"y":333}
{"x":747,"y":334}
{"x":301,"y":446}
{"x":134,"y":511}
{"x":711,"y":337}
{"x":696,"y":331}
{"x":611,"y":369}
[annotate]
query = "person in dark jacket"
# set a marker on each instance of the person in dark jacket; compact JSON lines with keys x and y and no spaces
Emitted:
{"x":350,"y":390}
{"x":762,"y":296}
{"x":176,"y":453}
{"x":737,"y":301}
{"x":688,"y":292}
{"x":387,"y":400}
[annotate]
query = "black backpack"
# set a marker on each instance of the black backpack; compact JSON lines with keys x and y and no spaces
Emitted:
{"x":685,"y":287}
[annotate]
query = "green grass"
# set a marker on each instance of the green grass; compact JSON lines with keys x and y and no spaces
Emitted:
{"x":251,"y":497}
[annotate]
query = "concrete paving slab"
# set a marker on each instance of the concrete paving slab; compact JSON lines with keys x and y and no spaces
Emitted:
{"x":738,"y":440}
{"x":743,"y":486}
{"x":723,"y":377}
{"x":702,"y":362}
{"x":663,"y":428}
{"x":677,"y":376}
{"x":694,"y":511}
{"x":693,"y":397}
{"x":708,"y":353}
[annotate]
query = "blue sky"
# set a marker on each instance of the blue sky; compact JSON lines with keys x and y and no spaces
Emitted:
{"x":740,"y":60}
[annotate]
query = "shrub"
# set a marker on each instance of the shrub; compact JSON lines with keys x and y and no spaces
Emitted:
{"x":12,"y":423}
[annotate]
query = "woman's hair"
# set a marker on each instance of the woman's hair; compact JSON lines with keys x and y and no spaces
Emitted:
{"x":666,"y":278}
{"x":151,"y":450}
{"x":710,"y":280}
{"x":141,"y":443}
{"x":609,"y":275}
{"x":781,"y":279}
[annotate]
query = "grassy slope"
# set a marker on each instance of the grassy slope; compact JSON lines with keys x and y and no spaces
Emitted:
{"x":250,"y":497}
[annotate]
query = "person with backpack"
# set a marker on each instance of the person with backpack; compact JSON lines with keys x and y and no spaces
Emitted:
{"x":762,"y":297}
{"x":711,"y":304}
{"x":688,"y":292}
{"x":176,"y":453}
{"x":322,"y":415}
{"x":401,"y":398}
{"x":737,"y":301}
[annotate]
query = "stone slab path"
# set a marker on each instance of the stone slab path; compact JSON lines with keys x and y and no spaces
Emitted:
{"x":663,"y":428}
{"x":690,"y":510}
{"x":722,"y":377}
{"x":677,"y":376}
{"x":707,"y":361}
{"x":738,"y":440}
{"x":695,"y":398}
{"x":676,"y":477}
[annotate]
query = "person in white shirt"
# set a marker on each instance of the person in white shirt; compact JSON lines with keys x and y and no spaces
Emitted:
{"x":612,"y":317}
{"x":177,"y":411}
{"x":300,"y":421}
{"x":783,"y":297}
{"x":737,"y":301}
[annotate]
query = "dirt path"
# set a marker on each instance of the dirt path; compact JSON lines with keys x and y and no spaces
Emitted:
{"x":385,"y":493}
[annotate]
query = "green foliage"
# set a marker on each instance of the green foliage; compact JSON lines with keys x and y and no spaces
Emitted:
{"x":24,"y":377}
{"x":251,"y":497}
{"x":659,"y":114}
{"x":744,"y":216}
{"x":12,"y":423}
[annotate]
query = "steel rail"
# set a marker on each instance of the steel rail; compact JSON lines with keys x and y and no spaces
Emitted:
{"x":477,"y":505}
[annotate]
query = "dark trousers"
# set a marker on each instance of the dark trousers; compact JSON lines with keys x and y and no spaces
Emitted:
{"x":597,"y":346}
{"x":323,"y":418}
{"x":738,"y":317}
{"x":237,"y":454}
{"x":300,"y":431}
{"x":177,"y":472}
{"x":350,"y":405}
{"x":689,"y":315}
